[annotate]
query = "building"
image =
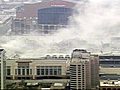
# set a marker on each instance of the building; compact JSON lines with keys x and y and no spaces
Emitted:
{"x":2,"y":69}
{"x":49,"y":67}
{"x":94,"y":71}
{"x":30,"y":10}
{"x":38,"y":73}
{"x":43,"y":17}
{"x":80,"y":71}
{"x":54,"y":17}
{"x":83,"y":70}
{"x":110,"y":67}
{"x":109,"y":85}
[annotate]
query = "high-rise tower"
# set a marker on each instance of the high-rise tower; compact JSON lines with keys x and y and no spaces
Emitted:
{"x":82,"y":70}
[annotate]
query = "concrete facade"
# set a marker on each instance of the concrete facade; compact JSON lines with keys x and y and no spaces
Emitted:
{"x":84,"y":70}
{"x":36,"y":68}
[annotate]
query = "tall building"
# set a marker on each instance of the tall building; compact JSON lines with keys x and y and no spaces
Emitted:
{"x":94,"y":71}
{"x":2,"y":68}
{"x":83,"y":72}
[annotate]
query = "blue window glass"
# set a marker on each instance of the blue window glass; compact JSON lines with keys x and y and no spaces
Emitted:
{"x":54,"y":15}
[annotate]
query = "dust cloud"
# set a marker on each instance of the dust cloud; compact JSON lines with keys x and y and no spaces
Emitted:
{"x":94,"y":25}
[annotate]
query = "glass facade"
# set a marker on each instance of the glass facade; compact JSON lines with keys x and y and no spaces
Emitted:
{"x":48,"y":70}
{"x":54,"y":15}
{"x":23,"y":70}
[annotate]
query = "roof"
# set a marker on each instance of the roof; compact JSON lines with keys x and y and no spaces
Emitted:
{"x":53,"y":3}
{"x":109,"y":83}
{"x":30,"y":10}
{"x":47,"y":57}
{"x":58,"y":86}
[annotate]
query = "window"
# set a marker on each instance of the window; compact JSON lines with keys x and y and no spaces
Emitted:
{"x":54,"y":15}
{"x":38,"y":71}
{"x":15,"y":71}
{"x":55,"y":71}
{"x":59,"y":71}
{"x":19,"y":71}
{"x":51,"y":71}
{"x":8,"y":70}
{"x":27,"y":71}
{"x":46,"y":71}
{"x":23,"y":71}
{"x":42,"y":71}
{"x":30,"y":71}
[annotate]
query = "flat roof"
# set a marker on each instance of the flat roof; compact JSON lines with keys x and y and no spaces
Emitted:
{"x":58,"y":84}
{"x":47,"y":57}
{"x":110,"y":83}
{"x":22,"y":59}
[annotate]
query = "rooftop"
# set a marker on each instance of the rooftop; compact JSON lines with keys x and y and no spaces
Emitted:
{"x":110,"y":83}
{"x":47,"y":57}
{"x":58,"y":86}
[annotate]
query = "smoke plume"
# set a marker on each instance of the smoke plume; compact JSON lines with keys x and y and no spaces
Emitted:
{"x":94,"y":24}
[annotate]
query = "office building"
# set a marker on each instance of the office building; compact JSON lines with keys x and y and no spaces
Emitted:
{"x":83,"y":70}
{"x":2,"y":69}
{"x":80,"y":71}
